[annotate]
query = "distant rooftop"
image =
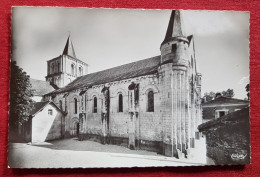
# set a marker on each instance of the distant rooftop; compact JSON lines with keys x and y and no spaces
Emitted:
{"x":224,"y":100}
{"x":41,"y":87}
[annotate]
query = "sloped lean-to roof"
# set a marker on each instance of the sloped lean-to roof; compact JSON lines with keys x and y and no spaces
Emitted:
{"x":131,"y":70}
{"x":241,"y":115}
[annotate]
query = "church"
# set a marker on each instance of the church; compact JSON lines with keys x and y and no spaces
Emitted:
{"x":152,"y":104}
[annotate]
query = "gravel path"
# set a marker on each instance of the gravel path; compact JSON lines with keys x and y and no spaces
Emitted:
{"x":74,"y":154}
{"x":75,"y":145}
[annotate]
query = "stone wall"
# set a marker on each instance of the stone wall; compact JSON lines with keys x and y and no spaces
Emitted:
{"x":160,"y":130}
{"x":228,"y":138}
{"x":148,"y":124}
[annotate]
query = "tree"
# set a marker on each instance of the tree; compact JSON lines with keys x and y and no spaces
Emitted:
{"x":20,"y":97}
{"x":248,"y":91}
{"x":208,"y":96}
{"x":228,"y":93}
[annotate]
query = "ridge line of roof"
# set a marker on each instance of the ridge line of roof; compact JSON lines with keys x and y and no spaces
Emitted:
{"x":70,"y":87}
{"x":227,"y":98}
{"x":82,"y":86}
{"x":120,"y":65}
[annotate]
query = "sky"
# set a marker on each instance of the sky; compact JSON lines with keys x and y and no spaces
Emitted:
{"x":105,"y":38}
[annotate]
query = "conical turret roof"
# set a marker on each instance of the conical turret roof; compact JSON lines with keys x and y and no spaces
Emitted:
{"x":175,"y":26}
{"x":69,"y":49}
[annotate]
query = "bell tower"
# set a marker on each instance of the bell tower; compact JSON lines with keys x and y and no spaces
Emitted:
{"x":65,"y":68}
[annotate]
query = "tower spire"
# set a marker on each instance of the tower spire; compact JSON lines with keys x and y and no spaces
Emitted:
{"x":175,"y":26}
{"x":69,"y":49}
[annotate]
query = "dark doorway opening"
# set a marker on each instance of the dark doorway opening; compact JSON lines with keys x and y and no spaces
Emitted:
{"x":77,"y":129}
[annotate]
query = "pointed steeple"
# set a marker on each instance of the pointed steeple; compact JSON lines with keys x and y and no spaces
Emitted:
{"x":69,"y":49}
{"x":175,"y":26}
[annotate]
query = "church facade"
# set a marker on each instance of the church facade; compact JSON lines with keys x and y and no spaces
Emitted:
{"x":152,"y":104}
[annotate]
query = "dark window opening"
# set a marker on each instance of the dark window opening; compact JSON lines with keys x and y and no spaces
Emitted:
{"x":80,"y":71}
{"x":150,"y":107}
{"x":120,"y":103}
{"x":59,"y":67}
{"x":221,"y":113}
{"x":52,"y":68}
{"x":50,"y":112}
{"x":72,"y":69}
{"x":76,"y":106}
{"x":95,"y":105}
{"x":60,"y":105}
{"x":174,"y":47}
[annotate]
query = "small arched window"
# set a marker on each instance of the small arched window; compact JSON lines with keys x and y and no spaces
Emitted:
{"x":58,"y":81}
{"x":75,"y":105}
{"x":150,"y":101}
{"x":120,"y":103}
{"x":72,"y":69}
{"x":52,"y":68}
{"x":95,"y":105}
{"x":49,"y":69}
{"x":80,"y":71}
{"x":59,"y":69}
{"x":50,"y":112}
{"x":60,"y":104}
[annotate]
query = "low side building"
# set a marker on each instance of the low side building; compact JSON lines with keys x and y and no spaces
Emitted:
{"x":228,"y":138}
{"x":46,"y":123}
{"x":221,"y":106}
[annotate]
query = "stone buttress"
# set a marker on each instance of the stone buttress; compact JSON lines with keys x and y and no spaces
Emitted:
{"x":176,"y":69}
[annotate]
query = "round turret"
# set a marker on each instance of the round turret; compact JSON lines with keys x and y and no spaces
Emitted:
{"x":174,"y":48}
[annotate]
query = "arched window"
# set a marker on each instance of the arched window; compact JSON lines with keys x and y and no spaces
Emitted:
{"x":150,"y":101}
{"x":120,"y":103}
{"x":95,"y":105}
{"x":80,"y":71}
{"x":58,"y":81}
{"x":49,"y":69}
{"x":59,"y":69}
{"x":72,"y":69}
{"x":60,"y":102}
{"x":52,"y":68}
{"x":75,"y":105}
{"x":50,"y":112}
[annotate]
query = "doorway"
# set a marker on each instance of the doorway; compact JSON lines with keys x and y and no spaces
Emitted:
{"x":77,"y":129}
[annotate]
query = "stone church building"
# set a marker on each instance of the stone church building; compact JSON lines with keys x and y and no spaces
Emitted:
{"x":152,"y":104}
